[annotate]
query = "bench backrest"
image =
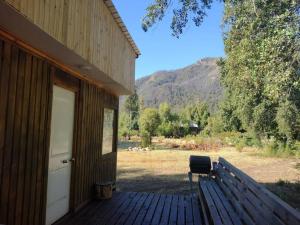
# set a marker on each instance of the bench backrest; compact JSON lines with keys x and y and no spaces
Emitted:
{"x":252,"y":201}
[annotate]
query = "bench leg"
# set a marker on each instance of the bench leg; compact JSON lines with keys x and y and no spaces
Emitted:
{"x":191,"y":180}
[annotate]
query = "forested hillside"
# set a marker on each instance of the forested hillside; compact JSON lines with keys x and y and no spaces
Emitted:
{"x":197,"y":82}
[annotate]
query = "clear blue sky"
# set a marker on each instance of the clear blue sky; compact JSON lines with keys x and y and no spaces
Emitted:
{"x":160,"y":50}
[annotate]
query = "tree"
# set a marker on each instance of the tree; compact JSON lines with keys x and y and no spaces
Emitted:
{"x":132,"y":108}
{"x":124,"y":125}
{"x":165,"y":112}
{"x":149,"y":122}
{"x":261,"y":71}
{"x":194,"y":9}
{"x":169,"y":126}
{"x":197,"y":113}
{"x":261,"y":68}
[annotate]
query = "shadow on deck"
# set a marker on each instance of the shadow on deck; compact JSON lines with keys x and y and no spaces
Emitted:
{"x":139,"y":208}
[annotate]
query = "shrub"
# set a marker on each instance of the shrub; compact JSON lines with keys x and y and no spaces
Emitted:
{"x":145,"y":139}
{"x":273,"y":148}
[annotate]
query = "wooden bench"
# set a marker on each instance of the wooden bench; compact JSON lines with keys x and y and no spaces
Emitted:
{"x":229,"y":196}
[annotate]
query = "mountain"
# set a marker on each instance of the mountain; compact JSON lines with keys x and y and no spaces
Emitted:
{"x":197,"y":82}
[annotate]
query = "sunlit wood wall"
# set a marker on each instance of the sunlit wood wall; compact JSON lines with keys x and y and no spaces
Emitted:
{"x":88,"y":28}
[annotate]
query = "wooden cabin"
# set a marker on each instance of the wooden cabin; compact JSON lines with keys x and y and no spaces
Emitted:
{"x":63,"y":66}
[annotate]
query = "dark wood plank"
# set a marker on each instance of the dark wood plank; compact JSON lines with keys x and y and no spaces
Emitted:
{"x":158,"y":210}
{"x":29,"y":146}
{"x":150,"y":213}
{"x":129,"y":209}
{"x":144,"y":210}
{"x":16,"y":137}
{"x":255,"y":207}
{"x":181,"y":210}
{"x":196,"y":211}
{"x":166,"y":211}
{"x":123,"y":209}
{"x":35,"y":150}
{"x":218,"y":203}
{"x":282,"y":209}
{"x":23,"y":141}
{"x":110,"y":208}
{"x":204,"y":210}
{"x":47,"y":143}
{"x":188,"y":211}
{"x":210,"y":203}
{"x":6,"y":177}
{"x":5,"y":50}
{"x":90,"y":213}
{"x":130,"y":220}
{"x":232,"y":198}
{"x":174,"y":210}
{"x":234,"y":217}
{"x":42,"y":134}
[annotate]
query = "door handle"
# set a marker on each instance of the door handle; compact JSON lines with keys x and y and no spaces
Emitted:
{"x":64,"y":161}
{"x":72,"y":160}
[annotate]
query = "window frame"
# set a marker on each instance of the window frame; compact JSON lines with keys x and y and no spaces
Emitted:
{"x":113,"y":138}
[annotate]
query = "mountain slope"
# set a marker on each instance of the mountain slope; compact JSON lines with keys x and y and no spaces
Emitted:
{"x":197,"y":82}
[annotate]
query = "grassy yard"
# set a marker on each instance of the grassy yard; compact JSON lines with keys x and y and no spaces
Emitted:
{"x":165,"y":170}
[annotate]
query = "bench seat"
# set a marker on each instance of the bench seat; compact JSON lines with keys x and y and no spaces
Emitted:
{"x":221,"y":210}
{"x":230,"y":196}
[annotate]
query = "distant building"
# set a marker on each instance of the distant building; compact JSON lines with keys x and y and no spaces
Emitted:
{"x":193,"y":128}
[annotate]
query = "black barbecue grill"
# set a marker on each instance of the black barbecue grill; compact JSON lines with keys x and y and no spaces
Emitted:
{"x":200,"y":165}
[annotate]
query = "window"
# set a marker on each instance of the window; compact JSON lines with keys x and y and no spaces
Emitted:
{"x":108,"y":131}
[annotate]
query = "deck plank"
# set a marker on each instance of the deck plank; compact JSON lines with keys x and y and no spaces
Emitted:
{"x":124,"y":209}
{"x":188,"y":211}
{"x":130,"y":220}
{"x":144,"y":209}
{"x":166,"y":211}
{"x":128,"y":210}
{"x":150,"y":213}
{"x":133,"y":208}
{"x":108,"y":210}
{"x":174,"y":210}
{"x":181,"y":210}
{"x":114,"y":209}
{"x":196,"y":211}
{"x":158,"y":210}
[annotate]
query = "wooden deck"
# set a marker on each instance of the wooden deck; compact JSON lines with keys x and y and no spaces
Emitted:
{"x":130,"y":208}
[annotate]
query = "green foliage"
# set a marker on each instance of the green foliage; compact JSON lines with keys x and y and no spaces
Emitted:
{"x":145,"y":139}
{"x":149,"y":121}
{"x":275,"y":148}
{"x":197,"y":113}
{"x":214,"y":125}
{"x":169,"y":126}
{"x":132,"y":107}
{"x":165,"y":112}
{"x":288,"y":120}
{"x":181,"y":14}
{"x":124,"y":124}
{"x":261,"y":69}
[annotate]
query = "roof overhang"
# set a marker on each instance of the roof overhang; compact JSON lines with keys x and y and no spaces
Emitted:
{"x":110,"y":5}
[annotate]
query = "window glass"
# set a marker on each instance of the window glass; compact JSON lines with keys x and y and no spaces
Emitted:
{"x":108,"y":131}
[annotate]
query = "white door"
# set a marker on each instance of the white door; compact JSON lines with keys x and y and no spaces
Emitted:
{"x":60,"y":154}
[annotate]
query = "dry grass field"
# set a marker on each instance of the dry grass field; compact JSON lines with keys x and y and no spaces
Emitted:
{"x":165,"y":171}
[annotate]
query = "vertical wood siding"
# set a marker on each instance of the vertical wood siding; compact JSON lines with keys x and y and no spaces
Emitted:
{"x":91,"y":165}
{"x":24,"y":129}
{"x":25,"y":114}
